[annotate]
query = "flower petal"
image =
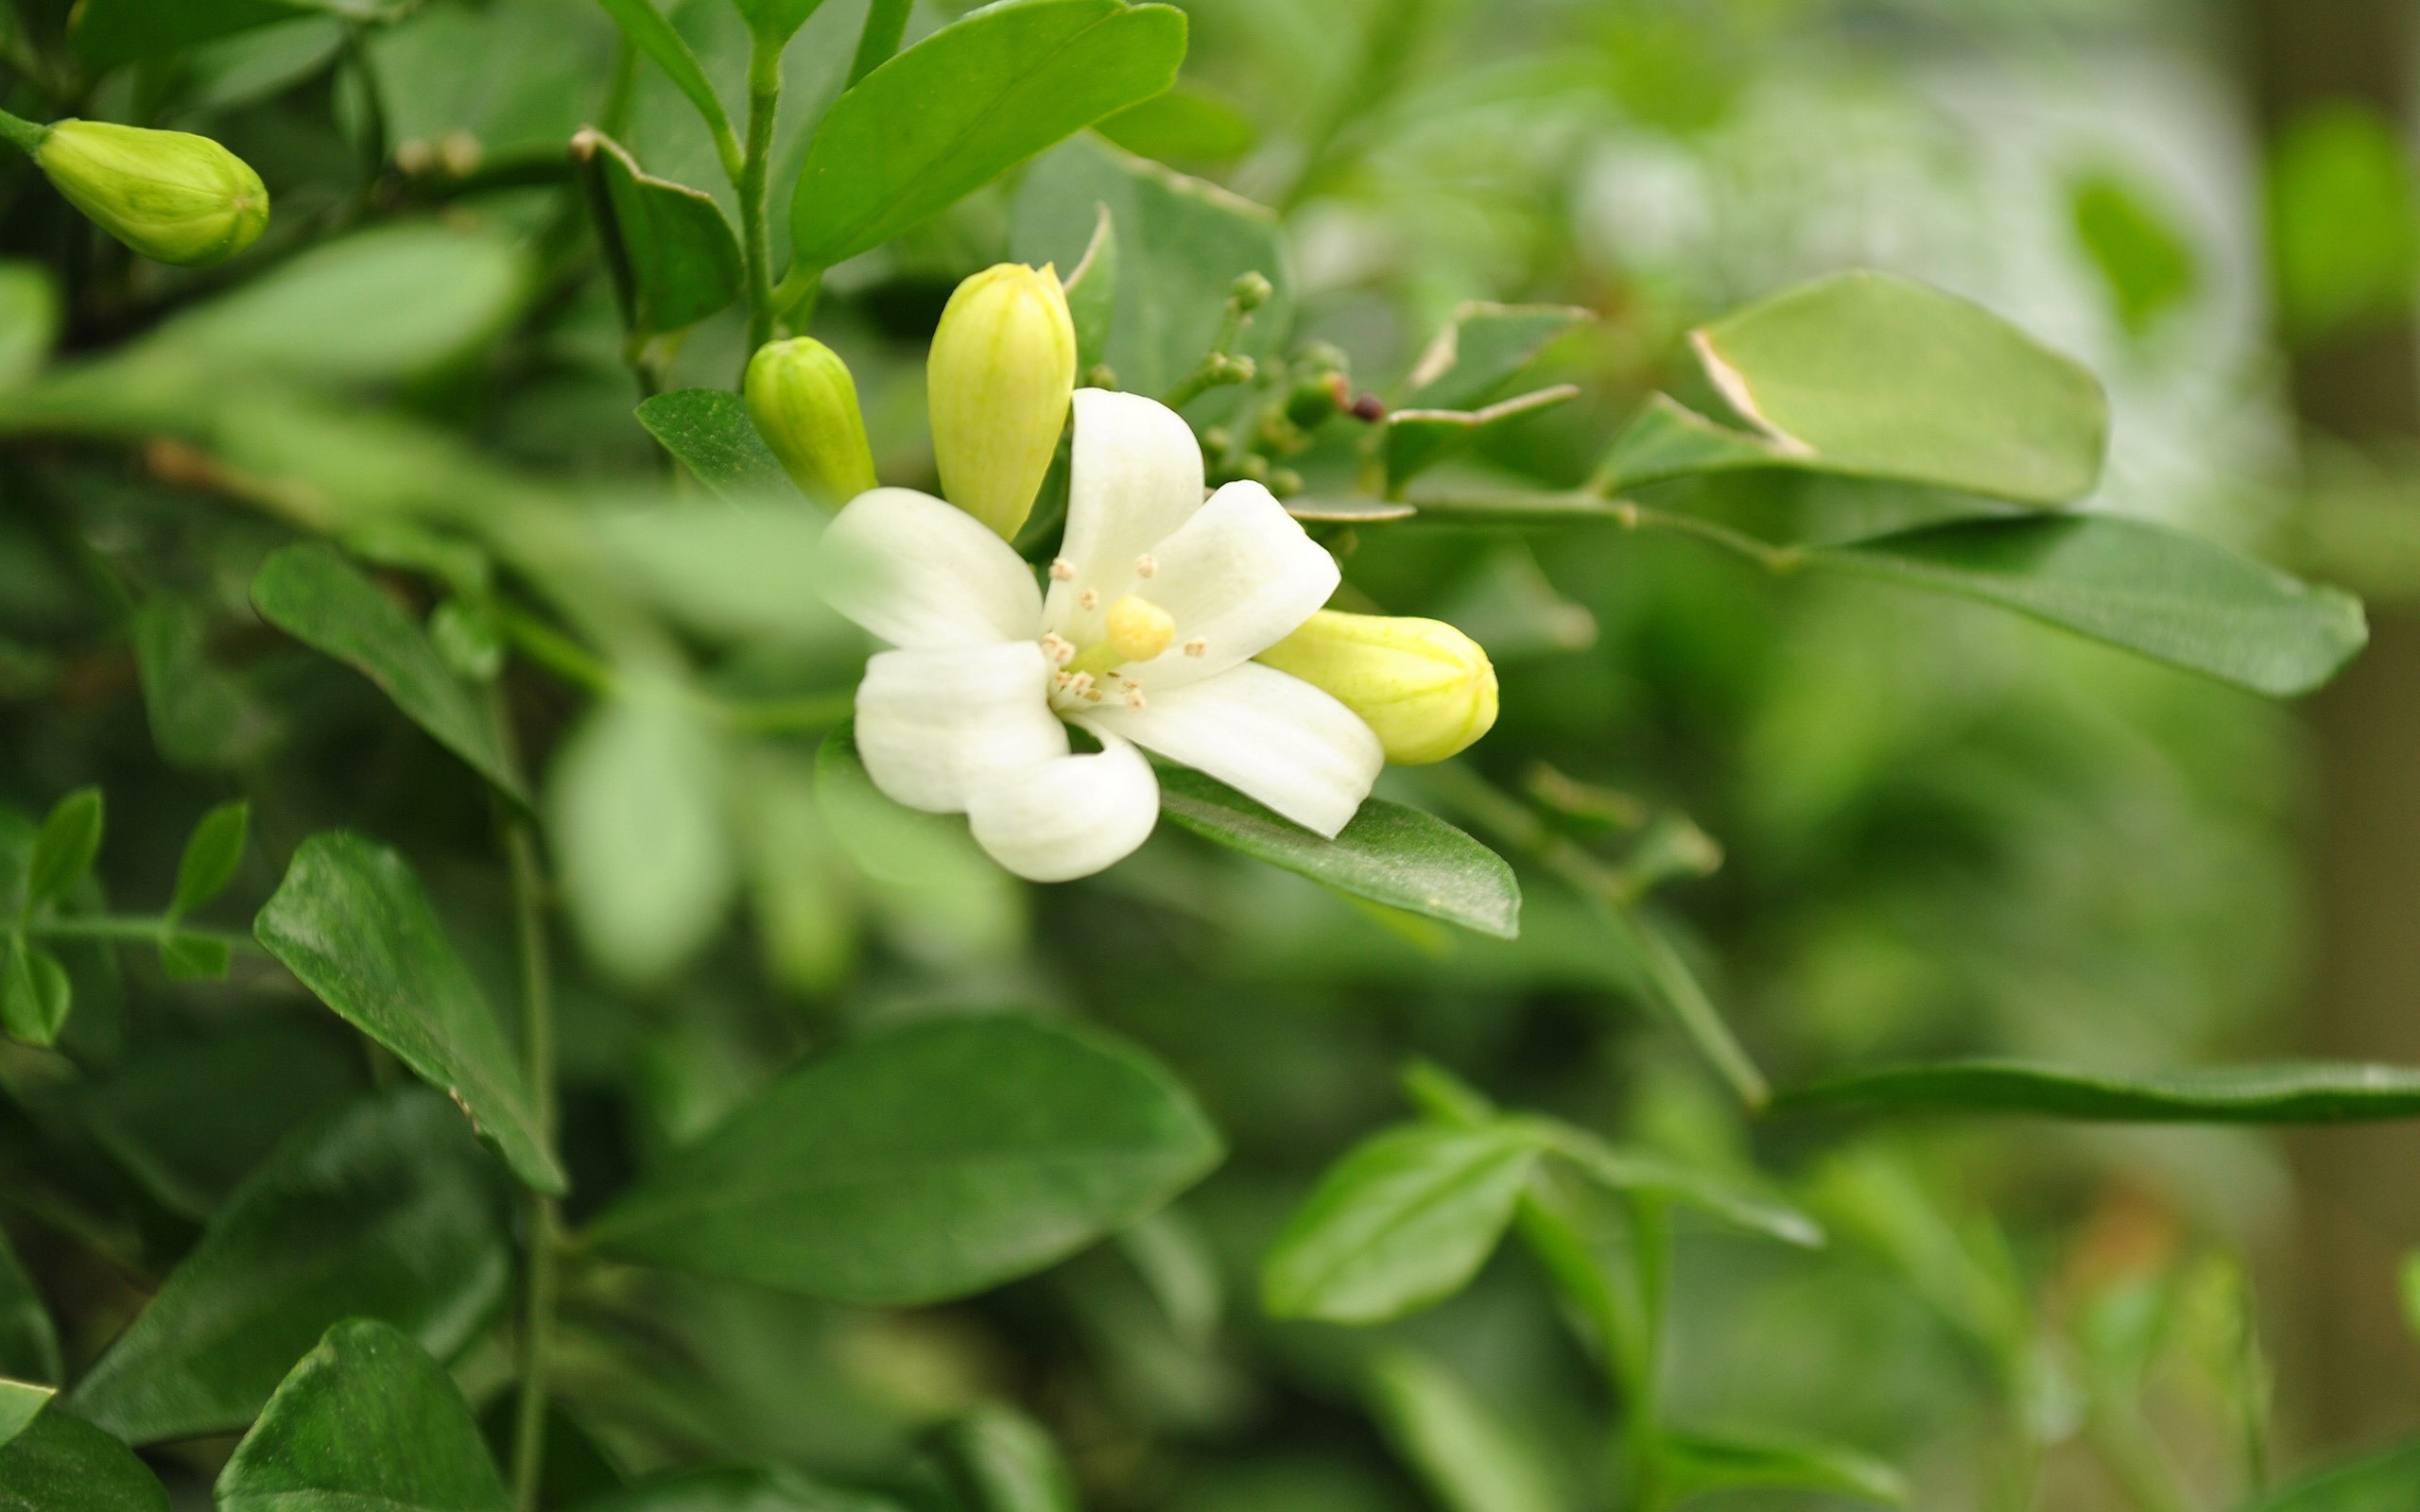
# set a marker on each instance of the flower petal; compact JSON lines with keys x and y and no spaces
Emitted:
{"x":925,"y":576}
{"x":1069,"y":818}
{"x":1134,"y":477}
{"x":934,"y":727}
{"x":1239,"y":576}
{"x":1266,"y":735}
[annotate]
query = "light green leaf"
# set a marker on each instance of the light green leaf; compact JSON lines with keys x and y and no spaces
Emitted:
{"x":1185,"y":126}
{"x":968,"y":103}
{"x":313,"y":593}
{"x":798,"y":887}
{"x":1092,"y":293}
{"x":1483,"y":350}
{"x":2344,"y":219}
{"x":19,"y":1401}
{"x":1665,"y":440}
{"x":1405,"y":1220}
{"x":653,"y":34}
{"x":29,"y":320}
{"x":2382,"y":1483}
{"x":2290,"y":1092}
{"x":1175,"y":1261}
{"x":734,"y":574}
{"x":732,"y":1488}
{"x":1470,"y":1459}
{"x":212,"y":854}
{"x":709,"y":432}
{"x":389,"y":1210}
{"x":2145,"y":588}
{"x":65,"y":850}
{"x":671,"y":255}
{"x":1417,"y":439}
{"x":927,"y":1163}
{"x":943,"y":897}
{"x":35,"y":993}
{"x":1003,"y":1460}
{"x":1388,"y":853}
{"x":1696,"y":1463}
{"x":2144,"y":258}
{"x":63,"y":1464}
{"x":1878,"y":376}
{"x":351,"y":923}
{"x":1645,"y":1171}
{"x":367,"y":1422}
{"x":28,"y":1343}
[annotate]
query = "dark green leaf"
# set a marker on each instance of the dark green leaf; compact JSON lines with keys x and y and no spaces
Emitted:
{"x":738,"y":1489}
{"x":1185,"y":126}
{"x":672,"y":255}
{"x":313,"y":593}
{"x":194,"y":957}
{"x":213,"y":852}
{"x":2145,"y":588}
{"x":965,"y":105}
{"x":201,"y":715}
{"x":64,"y":1464}
{"x":35,"y":994}
{"x":924,"y":1164}
{"x":2383,"y":1482}
{"x":1403,"y":1221}
{"x":1698,"y":1463}
{"x":109,"y":32}
{"x":2283,"y":1094}
{"x":1483,"y":350}
{"x":389,"y":1210}
{"x":368,"y":1422}
{"x":709,"y":431}
{"x":1663,"y":439}
{"x":1417,"y":439}
{"x":1647,"y":1172}
{"x":28,"y":1343}
{"x":19,"y":1401}
{"x":65,"y":848}
{"x":1388,"y":853}
{"x":351,"y":923}
{"x":1003,"y":1460}
{"x":1471,"y":1460}
{"x":653,"y":34}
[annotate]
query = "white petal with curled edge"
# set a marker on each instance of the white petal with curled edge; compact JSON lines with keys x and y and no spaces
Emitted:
{"x":1134,"y":477}
{"x":1269,"y":736}
{"x":1069,"y":818}
{"x":923,"y":575}
{"x":1240,"y":577}
{"x":934,"y":727}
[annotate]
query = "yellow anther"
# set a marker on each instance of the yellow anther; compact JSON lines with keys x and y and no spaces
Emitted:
{"x":1139,"y":629}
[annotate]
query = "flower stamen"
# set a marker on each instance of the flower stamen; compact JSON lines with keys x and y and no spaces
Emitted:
{"x":1061,"y":569}
{"x":1146,"y":565}
{"x":1196,"y":646}
{"x":1089,"y":598}
{"x":1057,"y":648}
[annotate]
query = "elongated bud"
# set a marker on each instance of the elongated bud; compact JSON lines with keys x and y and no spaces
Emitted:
{"x":806,"y":407}
{"x":1002,"y":369}
{"x":1427,"y":689}
{"x":171,"y":196}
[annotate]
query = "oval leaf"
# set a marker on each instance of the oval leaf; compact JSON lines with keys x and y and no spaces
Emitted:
{"x":1483,"y":350}
{"x":2286,"y":1093}
{"x":212,"y":854}
{"x":64,"y":1464}
{"x":64,"y":849}
{"x":925,"y":1164}
{"x":709,"y":432}
{"x":672,"y":255}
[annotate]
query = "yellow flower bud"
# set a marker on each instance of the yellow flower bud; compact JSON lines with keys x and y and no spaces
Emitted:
{"x":806,"y":407}
{"x":1427,"y":689}
{"x":171,"y":196}
{"x":1002,"y":371}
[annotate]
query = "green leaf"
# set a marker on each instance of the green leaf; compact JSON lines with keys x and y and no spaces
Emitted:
{"x":63,"y":1464}
{"x":653,"y":34}
{"x":1003,"y":1460}
{"x":388,"y":1211}
{"x":671,"y":255}
{"x":732,"y":1488}
{"x":2344,"y":219}
{"x":1185,"y":125}
{"x":1174,"y":1258}
{"x":1470,"y":1459}
{"x":942,"y":895}
{"x":367,"y":1422}
{"x":927,"y":1163}
{"x":2382,"y":1483}
{"x":107,"y":32}
{"x":19,"y":1403}
{"x":194,"y":957}
{"x":709,"y":432}
{"x":2144,"y":588}
{"x":212,"y":854}
{"x":201,"y":715}
{"x":1092,"y":293}
{"x":351,"y":923}
{"x":28,"y":1343}
{"x":1388,"y":853}
{"x":1417,"y":439}
{"x":29,"y":322}
{"x":1876,"y":376}
{"x":313,"y":593}
{"x":732,"y":574}
{"x":65,"y":848}
{"x":1483,"y":350}
{"x":35,"y":994}
{"x":965,"y":105}
{"x":2145,"y":261}
{"x":1405,"y":1220}
{"x":1645,"y":1171}
{"x":1696,"y":1463}
{"x":517,"y":80}
{"x":1665,"y":440}
{"x":2290,"y":1092}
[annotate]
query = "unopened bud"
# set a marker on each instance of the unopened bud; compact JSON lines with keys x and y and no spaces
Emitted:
{"x":1424,"y":687}
{"x":806,"y":407}
{"x":171,"y":196}
{"x":1002,"y":371}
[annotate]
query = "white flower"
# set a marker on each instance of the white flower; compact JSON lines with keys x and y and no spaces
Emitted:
{"x":1158,"y":601}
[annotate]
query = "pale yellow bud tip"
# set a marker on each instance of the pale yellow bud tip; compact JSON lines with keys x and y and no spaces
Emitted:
{"x":1139,"y":629}
{"x":998,"y":384}
{"x":1426,"y":688}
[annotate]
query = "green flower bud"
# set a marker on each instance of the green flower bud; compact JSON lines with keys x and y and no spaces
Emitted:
{"x":171,"y":196}
{"x":806,"y":407}
{"x":1427,"y":689}
{"x":1002,"y":371}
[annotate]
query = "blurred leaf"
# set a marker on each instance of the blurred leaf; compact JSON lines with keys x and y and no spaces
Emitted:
{"x":1696,"y":1463}
{"x":1175,"y":1261}
{"x":64,"y":851}
{"x":1187,"y":125}
{"x":28,"y":1343}
{"x":636,"y":809}
{"x":2344,"y":219}
{"x":797,"y":880}
{"x":63,"y":1464}
{"x":736,"y":574}
{"x":1092,"y":293}
{"x":647,"y":30}
{"x":194,"y":957}
{"x":1468,"y":1457}
{"x":20,"y":1401}
{"x":367,"y":1422}
{"x":1405,"y":1220}
{"x":1509,"y":607}
{"x":1732,"y":1201}
{"x":35,"y":993}
{"x":709,"y":431}
{"x":313,"y":593}
{"x":672,"y":256}
{"x":1003,"y":1460}
{"x":1663,"y":439}
{"x":351,"y":923}
{"x":965,"y":105}
{"x":389,"y":1210}
{"x":201,"y":715}
{"x":503,"y":84}
{"x":732,"y":1488}
{"x":926,"y":1164}
{"x":1388,"y":853}
{"x":1876,"y":376}
{"x":776,"y":19}
{"x":212,"y":854}
{"x":2145,"y":261}
{"x":941,"y":893}
{"x":115,"y":31}
{"x":29,"y":320}
{"x":2382,"y":1483}
{"x":1417,"y":439}
{"x":2283,"y":1094}
{"x":1480,"y":351}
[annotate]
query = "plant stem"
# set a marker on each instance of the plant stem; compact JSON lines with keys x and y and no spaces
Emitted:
{"x":134,"y":930}
{"x":24,"y":134}
{"x":538,"y":1058}
{"x":756,"y":237}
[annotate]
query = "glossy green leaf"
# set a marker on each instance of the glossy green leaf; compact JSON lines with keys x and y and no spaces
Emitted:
{"x":1417,"y":439}
{"x":1665,"y":440}
{"x":2382,"y":1483}
{"x":1469,"y":1458}
{"x":1878,"y":376}
{"x":29,"y":322}
{"x":1003,"y":1460}
{"x":1483,"y":350}
{"x":1185,"y":126}
{"x":1092,"y":293}
{"x":2145,"y":588}
{"x":926,"y":1164}
{"x":212,"y":854}
{"x":28,"y":1343}
{"x":709,"y":432}
{"x":367,"y":1422}
{"x":1406,"y":1219}
{"x":60,"y":1463}
{"x":1697,"y":1463}
{"x":2290,"y":1092}
{"x":35,"y":993}
{"x":1388,"y":853}
{"x":647,"y":30}
{"x":313,"y":593}
{"x":351,"y":923}
{"x":65,"y":848}
{"x":388,"y":1211}
{"x":1647,"y":1172}
{"x":671,"y":255}
{"x":965,"y":105}
{"x":19,"y":1401}
{"x":736,"y":1489}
